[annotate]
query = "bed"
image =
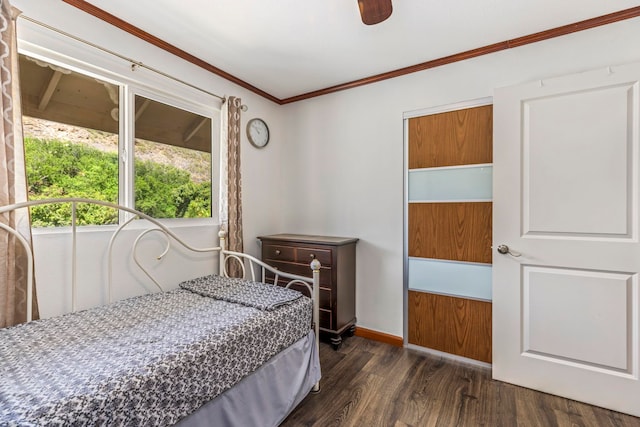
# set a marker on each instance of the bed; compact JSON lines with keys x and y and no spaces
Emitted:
{"x":213,"y":350}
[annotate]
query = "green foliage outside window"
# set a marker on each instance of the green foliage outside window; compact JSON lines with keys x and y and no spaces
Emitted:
{"x":58,"y":169}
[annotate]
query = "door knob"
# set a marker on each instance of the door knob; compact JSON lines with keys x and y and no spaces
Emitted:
{"x":504,"y":249}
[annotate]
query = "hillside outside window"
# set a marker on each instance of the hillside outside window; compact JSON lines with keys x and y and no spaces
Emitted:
{"x":72,"y":127}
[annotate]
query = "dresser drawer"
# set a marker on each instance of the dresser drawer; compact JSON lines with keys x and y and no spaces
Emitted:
{"x":303,"y":270}
{"x":325,"y":319}
{"x":307,"y":254}
{"x":278,"y":252}
{"x":325,"y":294}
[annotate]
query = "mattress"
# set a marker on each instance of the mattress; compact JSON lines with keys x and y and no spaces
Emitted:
{"x":149,"y":360}
{"x":265,"y":397}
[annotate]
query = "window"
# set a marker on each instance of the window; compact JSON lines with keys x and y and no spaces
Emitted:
{"x":72,"y":123}
{"x":172,"y":155}
{"x":71,"y":141}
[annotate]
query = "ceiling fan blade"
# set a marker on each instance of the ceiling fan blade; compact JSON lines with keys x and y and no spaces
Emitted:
{"x":374,"y":11}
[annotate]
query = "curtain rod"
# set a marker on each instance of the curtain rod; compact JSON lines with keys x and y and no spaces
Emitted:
{"x":134,"y":64}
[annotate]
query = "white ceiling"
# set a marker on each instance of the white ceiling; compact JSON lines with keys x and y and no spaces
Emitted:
{"x":291,"y":47}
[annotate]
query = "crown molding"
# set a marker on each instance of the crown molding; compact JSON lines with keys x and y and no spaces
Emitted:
{"x":150,"y":38}
{"x":622,"y":15}
{"x":610,"y":18}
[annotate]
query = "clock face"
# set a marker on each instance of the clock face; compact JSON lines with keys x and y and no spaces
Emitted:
{"x":257,"y":132}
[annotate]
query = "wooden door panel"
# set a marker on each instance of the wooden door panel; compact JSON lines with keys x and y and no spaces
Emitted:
{"x":458,"y":137}
{"x":451,"y":231}
{"x":454,"y":325}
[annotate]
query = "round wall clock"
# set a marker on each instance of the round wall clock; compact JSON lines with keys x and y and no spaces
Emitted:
{"x":257,"y":132}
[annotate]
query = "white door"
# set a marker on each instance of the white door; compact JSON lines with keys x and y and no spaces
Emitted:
{"x":566,"y":187}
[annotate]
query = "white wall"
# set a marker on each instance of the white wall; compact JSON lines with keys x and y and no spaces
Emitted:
{"x":54,"y":270}
{"x":345,"y":151}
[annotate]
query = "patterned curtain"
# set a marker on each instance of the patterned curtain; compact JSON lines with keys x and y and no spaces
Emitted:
{"x":234,"y":183}
{"x":13,"y":182}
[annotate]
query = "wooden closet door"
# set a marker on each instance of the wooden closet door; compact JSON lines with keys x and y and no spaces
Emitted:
{"x":449,"y":231}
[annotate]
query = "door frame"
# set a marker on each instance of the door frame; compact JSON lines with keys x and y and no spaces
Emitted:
{"x":478,"y":102}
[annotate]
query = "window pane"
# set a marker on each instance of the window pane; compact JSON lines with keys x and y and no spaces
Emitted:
{"x":172,"y":161}
{"x":71,"y":141}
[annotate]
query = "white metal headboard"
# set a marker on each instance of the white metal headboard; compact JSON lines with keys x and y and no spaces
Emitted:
{"x":246,"y":261}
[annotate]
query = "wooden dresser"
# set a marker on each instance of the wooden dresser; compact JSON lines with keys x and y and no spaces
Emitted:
{"x":293,"y":253}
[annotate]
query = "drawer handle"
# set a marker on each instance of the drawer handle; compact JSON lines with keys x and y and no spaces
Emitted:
{"x":277,"y":251}
{"x":312,"y":256}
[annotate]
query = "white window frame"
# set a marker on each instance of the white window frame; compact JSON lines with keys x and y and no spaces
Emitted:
{"x":133,"y":81}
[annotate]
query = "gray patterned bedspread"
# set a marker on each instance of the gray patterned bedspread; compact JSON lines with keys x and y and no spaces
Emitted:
{"x":144,"y":361}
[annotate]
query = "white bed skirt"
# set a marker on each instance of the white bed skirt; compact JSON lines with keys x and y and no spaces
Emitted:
{"x":267,"y":396}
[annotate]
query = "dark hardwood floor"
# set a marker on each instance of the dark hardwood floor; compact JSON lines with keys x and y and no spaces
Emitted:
{"x":366,"y":383}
